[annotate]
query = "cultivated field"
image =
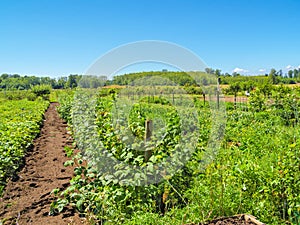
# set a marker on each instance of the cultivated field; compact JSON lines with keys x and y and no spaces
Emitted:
{"x":114,"y":157}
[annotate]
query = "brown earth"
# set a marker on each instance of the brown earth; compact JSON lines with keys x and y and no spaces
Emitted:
{"x":228,"y":98}
{"x":238,"y":99}
{"x":27,"y":200}
{"x":242,"y":219}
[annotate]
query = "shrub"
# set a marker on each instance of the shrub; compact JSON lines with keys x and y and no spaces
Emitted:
{"x":41,"y":90}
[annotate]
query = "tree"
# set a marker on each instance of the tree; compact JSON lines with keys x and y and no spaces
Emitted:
{"x":280,"y":73}
{"x":73,"y":81}
{"x":290,"y":73}
{"x":4,"y":76}
{"x":61,"y":82}
{"x":218,"y":72}
{"x":296,"y":74}
{"x":235,"y":74}
{"x":209,"y":70}
{"x":272,"y":72}
{"x":46,"y":80}
{"x":273,"y":77}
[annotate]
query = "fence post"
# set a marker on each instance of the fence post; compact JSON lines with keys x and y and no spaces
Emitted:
{"x":218,"y":93}
{"x":218,"y":99}
{"x":173,"y":97}
{"x":148,"y":134}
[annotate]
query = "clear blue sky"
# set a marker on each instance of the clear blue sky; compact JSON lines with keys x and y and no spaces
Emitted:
{"x":60,"y":37}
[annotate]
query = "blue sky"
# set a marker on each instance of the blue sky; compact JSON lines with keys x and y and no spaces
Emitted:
{"x":62,"y":37}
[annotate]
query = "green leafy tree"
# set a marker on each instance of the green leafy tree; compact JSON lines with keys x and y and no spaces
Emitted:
{"x":72,"y":81}
{"x":4,"y":76}
{"x":209,"y":70}
{"x":296,"y":73}
{"x":42,"y":91}
{"x":290,"y":73}
{"x":235,"y":74}
{"x":273,"y":79}
{"x":218,"y":72}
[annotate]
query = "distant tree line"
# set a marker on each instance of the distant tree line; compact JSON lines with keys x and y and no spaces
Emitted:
{"x":184,"y":79}
{"x":172,"y":78}
{"x":274,"y":77}
{"x":18,"y":82}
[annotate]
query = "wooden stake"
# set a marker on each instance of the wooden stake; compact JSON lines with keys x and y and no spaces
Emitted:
{"x":148,"y":134}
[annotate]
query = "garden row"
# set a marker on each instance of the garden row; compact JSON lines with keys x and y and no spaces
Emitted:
{"x":20,"y":123}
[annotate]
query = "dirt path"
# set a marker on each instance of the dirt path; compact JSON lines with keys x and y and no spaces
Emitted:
{"x":27,"y":200}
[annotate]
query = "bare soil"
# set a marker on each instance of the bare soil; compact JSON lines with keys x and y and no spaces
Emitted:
{"x":234,"y":220}
{"x":27,"y":199}
{"x":228,"y":98}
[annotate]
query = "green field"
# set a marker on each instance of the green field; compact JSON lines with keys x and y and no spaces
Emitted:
{"x":256,"y":170}
{"x":203,"y":159}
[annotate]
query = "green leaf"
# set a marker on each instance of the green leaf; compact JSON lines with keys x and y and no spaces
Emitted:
{"x":69,"y":163}
{"x":55,"y":191}
{"x":79,"y":205}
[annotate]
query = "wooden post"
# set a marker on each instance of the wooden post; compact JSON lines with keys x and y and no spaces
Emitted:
{"x":173,"y":97}
{"x":235,"y":100}
{"x":218,"y":93}
{"x":148,"y":134}
{"x":218,"y":99}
